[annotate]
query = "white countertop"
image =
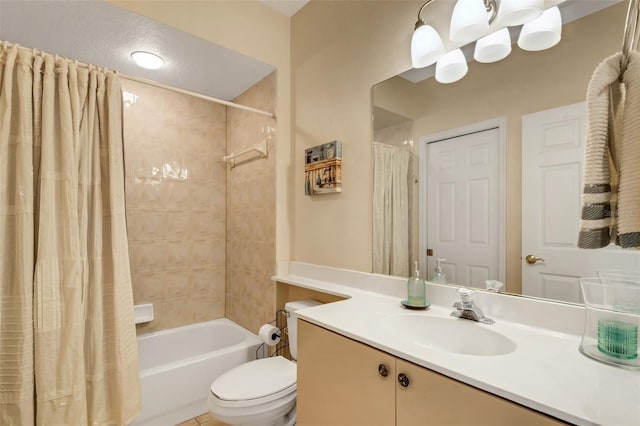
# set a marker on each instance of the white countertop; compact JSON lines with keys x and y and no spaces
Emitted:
{"x":546,"y":372}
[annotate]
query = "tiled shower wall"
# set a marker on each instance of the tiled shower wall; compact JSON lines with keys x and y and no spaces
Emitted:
{"x":250,"y":297}
{"x":176,"y":204}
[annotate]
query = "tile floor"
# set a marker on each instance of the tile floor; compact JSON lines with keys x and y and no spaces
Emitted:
{"x":203,"y":420}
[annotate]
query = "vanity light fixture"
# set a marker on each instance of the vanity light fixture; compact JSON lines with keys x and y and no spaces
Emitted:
{"x":426,"y":44}
{"x":471,"y":20}
{"x":147,"y":60}
{"x":543,"y":32}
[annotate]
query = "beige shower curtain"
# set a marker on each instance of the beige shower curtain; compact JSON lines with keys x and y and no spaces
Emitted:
{"x":390,"y":210}
{"x":67,"y":337}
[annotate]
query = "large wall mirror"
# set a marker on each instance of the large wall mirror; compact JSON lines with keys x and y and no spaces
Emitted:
{"x":486,"y":172}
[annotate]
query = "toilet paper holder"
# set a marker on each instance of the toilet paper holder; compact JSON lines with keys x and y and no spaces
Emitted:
{"x":281,"y":348}
{"x":277,"y":334}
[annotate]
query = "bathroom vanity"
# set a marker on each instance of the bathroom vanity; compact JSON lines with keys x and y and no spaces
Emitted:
{"x":376,"y":388}
{"x":367,"y":360}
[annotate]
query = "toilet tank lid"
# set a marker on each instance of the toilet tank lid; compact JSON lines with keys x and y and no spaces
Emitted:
{"x":300,"y":304}
{"x":256,"y":379}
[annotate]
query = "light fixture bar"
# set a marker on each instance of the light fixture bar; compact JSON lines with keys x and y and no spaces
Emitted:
{"x":492,"y":7}
{"x":421,"y":21}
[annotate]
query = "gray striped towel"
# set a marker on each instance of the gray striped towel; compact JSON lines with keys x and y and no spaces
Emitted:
{"x":604,"y":103}
{"x":611,"y":195}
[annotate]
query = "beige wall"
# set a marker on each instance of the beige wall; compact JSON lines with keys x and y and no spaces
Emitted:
{"x":256,"y":30}
{"x":251,"y":207}
{"x":175,"y":189}
{"x":340,"y":50}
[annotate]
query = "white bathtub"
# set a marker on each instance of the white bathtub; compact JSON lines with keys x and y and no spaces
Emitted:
{"x":177,"y":367}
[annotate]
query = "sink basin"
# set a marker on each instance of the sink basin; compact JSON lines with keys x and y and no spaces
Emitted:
{"x":453,"y":335}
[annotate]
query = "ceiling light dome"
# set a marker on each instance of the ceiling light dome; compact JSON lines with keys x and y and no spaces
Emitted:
{"x":147,"y":60}
{"x":542,"y":33}
{"x":518,"y":12}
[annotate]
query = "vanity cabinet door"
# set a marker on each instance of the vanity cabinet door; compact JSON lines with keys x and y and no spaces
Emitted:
{"x":432,"y":399}
{"x":342,"y":382}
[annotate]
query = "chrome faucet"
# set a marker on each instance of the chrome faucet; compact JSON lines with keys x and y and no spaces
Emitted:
{"x":465,"y":308}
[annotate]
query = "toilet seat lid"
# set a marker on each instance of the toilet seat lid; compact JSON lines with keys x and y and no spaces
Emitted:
{"x":256,"y":379}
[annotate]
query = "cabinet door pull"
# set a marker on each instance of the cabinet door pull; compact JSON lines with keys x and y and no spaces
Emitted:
{"x":403,"y":380}
{"x":383,"y":370}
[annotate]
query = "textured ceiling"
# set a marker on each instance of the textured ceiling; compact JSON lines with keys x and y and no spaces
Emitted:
{"x":103,"y":34}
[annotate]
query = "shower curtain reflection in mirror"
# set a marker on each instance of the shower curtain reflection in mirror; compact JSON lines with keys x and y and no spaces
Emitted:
{"x":67,"y":336}
{"x":390,"y":210}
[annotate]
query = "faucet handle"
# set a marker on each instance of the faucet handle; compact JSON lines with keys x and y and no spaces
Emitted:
{"x":465,"y":294}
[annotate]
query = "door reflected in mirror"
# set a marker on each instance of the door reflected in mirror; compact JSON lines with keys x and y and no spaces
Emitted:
{"x":487,"y":172}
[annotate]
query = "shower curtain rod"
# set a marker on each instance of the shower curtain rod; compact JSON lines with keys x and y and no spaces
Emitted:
{"x":197,"y":95}
{"x":6,"y":44}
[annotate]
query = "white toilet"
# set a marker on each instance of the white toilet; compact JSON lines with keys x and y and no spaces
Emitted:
{"x":260,"y":392}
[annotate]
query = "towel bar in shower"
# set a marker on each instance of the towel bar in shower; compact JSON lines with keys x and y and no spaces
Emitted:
{"x":260,"y":148}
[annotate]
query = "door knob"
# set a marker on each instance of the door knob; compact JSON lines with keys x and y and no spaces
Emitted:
{"x":531,"y":259}
{"x":403,"y":380}
{"x":383,"y":370}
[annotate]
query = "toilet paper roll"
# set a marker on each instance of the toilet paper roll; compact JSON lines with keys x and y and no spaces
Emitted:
{"x":269,"y":334}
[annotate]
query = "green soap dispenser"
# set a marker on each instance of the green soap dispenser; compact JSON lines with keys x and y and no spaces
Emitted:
{"x":439,"y":276}
{"x":416,"y":289}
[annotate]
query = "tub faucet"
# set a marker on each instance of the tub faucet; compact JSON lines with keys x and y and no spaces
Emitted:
{"x":465,"y":308}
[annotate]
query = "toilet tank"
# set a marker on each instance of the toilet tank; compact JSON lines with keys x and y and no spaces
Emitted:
{"x":292,"y":324}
